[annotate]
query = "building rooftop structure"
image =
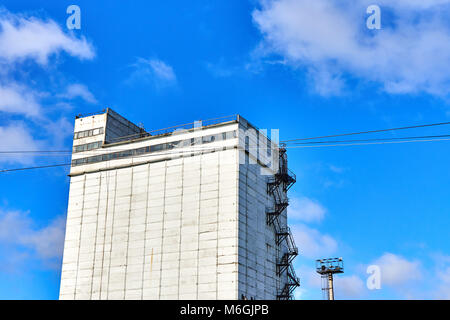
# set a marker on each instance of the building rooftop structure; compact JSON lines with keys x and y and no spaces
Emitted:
{"x":195,"y":211}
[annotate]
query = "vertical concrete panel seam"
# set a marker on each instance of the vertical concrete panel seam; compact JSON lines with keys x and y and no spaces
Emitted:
{"x":104,"y":233}
{"x":128,"y":233}
{"x":162,"y":230}
{"x":112,"y":233}
{"x":181,"y":220}
{"x":145,"y":231}
{"x":198,"y":223}
{"x":79,"y":238}
{"x":246,"y":224}
{"x":96,"y":231}
{"x":65,"y":232}
{"x":217,"y":226}
{"x":237,"y":169}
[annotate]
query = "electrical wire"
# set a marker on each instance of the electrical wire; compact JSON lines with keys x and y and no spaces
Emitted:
{"x":292,"y":144}
{"x":131,"y":157}
{"x":364,"y":144}
{"x":282,"y":141}
{"x":38,"y":167}
{"x":203,"y":148}
{"x":370,"y":131}
{"x":370,"y":140}
{"x":289,"y":147}
{"x":196,"y":148}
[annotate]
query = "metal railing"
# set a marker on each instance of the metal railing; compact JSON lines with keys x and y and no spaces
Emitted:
{"x":82,"y":115}
{"x":182,"y":128}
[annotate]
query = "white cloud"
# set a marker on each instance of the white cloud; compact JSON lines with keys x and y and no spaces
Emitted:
{"x":306,"y":209}
{"x":221,"y":69}
{"x":48,"y":241}
{"x":310,"y":283}
{"x":19,"y":99}
{"x":24,"y":38}
{"x":312,"y":243}
{"x":326,"y":83}
{"x":349,"y":287}
{"x":57,"y":131}
{"x":396,"y":270}
{"x":162,"y":70}
{"x":443,"y":288}
{"x":78,"y":90}
{"x":34,"y":41}
{"x":413,"y":4}
{"x":16,"y":137}
{"x":328,"y":39}
{"x":441,"y":280}
{"x":346,"y":286}
{"x":336,"y":169}
{"x":154,"y":71}
{"x":17,"y":229}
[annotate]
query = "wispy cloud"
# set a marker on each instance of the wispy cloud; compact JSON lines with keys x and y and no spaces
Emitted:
{"x":313,"y":243}
{"x":336,"y":169}
{"x":152,"y":71}
{"x":346,"y":286}
{"x":23,"y":38}
{"x":78,"y":90}
{"x":413,"y":4}
{"x":396,"y":270}
{"x":442,"y":272}
{"x":328,"y":39}
{"x":19,"y":232}
{"x":306,"y":209}
{"x":19,"y":99}
{"x":30,"y":43}
{"x":17,"y":137}
{"x":221,"y":69}
{"x":350,"y":287}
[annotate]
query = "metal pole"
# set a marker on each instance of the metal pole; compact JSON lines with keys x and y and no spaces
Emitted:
{"x":330,"y":287}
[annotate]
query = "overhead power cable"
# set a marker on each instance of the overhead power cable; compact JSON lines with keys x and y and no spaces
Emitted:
{"x":370,"y":131}
{"x":363,"y":144}
{"x":292,"y":144}
{"x":131,"y":157}
{"x":282,"y":141}
{"x":35,"y":151}
{"x":370,"y":140}
{"x":196,"y":148}
{"x":38,"y":167}
{"x":289,"y":147}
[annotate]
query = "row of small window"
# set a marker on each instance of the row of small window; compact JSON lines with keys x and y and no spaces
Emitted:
{"x":88,"y":133}
{"x":87,"y":147}
{"x":268,"y":146}
{"x":156,"y":148}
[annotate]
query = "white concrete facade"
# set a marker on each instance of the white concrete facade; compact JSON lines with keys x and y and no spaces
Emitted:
{"x":184,"y":223}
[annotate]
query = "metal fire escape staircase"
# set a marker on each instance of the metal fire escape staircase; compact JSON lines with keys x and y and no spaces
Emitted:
{"x":277,"y":187}
{"x":289,"y":287}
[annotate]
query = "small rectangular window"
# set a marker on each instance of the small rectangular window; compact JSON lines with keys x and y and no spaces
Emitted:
{"x":88,"y":133}
{"x":231,"y":134}
{"x":140,"y":151}
{"x":156,"y":147}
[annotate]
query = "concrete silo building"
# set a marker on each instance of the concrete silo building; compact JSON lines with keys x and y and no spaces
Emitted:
{"x":191,"y":212}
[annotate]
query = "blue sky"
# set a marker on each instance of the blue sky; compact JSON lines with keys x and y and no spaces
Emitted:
{"x":305,"y":68}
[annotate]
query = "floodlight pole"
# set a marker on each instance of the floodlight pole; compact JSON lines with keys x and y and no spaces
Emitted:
{"x":330,"y":287}
{"x":326,"y":268}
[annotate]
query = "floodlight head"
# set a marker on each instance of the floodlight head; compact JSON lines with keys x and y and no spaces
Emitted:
{"x":330,"y":266}
{"x":326,"y":268}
